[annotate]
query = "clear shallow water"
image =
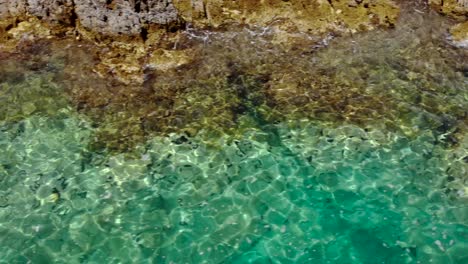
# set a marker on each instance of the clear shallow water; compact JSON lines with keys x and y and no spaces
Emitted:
{"x":374,"y":179}
{"x":313,"y":195}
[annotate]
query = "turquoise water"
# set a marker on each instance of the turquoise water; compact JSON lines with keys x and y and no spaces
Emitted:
{"x":311,"y":195}
{"x":328,"y":187}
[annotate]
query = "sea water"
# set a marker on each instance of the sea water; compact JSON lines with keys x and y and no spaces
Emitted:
{"x":305,"y":188}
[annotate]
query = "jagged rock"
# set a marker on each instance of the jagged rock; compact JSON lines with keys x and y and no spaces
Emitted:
{"x":55,"y":11}
{"x":116,"y":18}
{"x":110,"y":17}
{"x":9,"y":8}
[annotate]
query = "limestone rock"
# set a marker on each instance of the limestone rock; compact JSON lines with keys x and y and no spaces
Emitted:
{"x":312,"y":16}
{"x":9,"y":8}
{"x":116,"y":17}
{"x":457,"y":9}
{"x":55,"y":11}
{"x":121,"y":17}
{"x":134,"y":17}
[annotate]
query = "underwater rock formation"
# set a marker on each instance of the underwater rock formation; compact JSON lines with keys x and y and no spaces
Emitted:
{"x":214,"y":81}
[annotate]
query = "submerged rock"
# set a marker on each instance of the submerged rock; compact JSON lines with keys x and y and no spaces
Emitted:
{"x":229,"y":73}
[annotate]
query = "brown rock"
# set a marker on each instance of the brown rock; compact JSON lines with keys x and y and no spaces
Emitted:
{"x":313,"y":16}
{"x":460,"y":34}
{"x":457,"y":9}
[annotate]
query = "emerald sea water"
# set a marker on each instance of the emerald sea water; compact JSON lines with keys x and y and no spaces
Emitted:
{"x":353,"y":151}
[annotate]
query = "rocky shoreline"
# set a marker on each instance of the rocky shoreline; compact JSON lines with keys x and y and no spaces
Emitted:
{"x":133,"y":30}
{"x":102,"y":17}
{"x":131,"y":78}
{"x":137,"y":17}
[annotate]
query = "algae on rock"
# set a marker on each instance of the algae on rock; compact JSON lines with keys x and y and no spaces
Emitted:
{"x":459,"y":34}
{"x":457,"y":9}
{"x":311,"y":16}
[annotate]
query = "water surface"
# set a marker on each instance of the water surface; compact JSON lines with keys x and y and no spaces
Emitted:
{"x":343,"y":150}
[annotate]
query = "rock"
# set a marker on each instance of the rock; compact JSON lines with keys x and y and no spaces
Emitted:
{"x":457,"y":9}
{"x":134,"y":17}
{"x":30,"y":30}
{"x":304,"y":15}
{"x":9,"y":8}
{"x":460,"y":34}
{"x":116,"y":17}
{"x":164,"y":60}
{"x":55,"y":11}
{"x":123,"y":60}
{"x":124,"y":17}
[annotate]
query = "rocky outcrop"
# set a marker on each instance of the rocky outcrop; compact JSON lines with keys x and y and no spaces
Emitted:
{"x":134,"y":17}
{"x":249,"y":65}
{"x":312,"y":16}
{"x":11,"y":8}
{"x":109,"y":17}
{"x":131,"y":30}
{"x":125,"y":17}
